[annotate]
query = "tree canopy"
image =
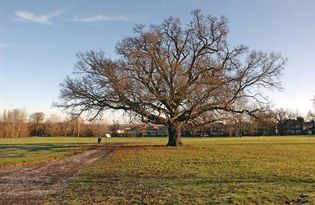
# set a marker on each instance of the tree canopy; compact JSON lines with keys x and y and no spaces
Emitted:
{"x":174,"y":74}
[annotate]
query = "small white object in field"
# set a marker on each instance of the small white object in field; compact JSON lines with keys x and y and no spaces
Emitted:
{"x":108,"y":136}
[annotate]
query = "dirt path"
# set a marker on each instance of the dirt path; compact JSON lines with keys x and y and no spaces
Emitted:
{"x":31,"y":184}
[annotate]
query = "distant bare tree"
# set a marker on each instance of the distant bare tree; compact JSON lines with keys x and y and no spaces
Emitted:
{"x":173,"y":74}
{"x":66,"y":127}
{"x":13,"y":123}
{"x":238,"y":121}
{"x":18,"y":118}
{"x":283,"y":114}
{"x":114,"y":127}
{"x":310,"y":116}
{"x":264,"y":123}
{"x":52,"y":125}
{"x":36,"y":120}
{"x":99,"y":127}
{"x":77,"y":124}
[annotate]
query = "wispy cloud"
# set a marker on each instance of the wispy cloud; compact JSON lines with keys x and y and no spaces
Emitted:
{"x":27,"y":16}
{"x":98,"y":18}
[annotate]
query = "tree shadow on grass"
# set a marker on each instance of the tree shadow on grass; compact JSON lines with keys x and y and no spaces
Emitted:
{"x":192,"y":181}
{"x":37,"y":147}
{"x":137,"y":146}
{"x":247,"y":180}
{"x":265,"y":143}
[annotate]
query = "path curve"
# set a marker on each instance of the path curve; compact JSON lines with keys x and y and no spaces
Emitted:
{"x":31,"y":184}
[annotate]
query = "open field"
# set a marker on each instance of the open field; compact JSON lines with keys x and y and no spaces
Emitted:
{"x":34,"y":150}
{"x":42,"y":149}
{"x":248,"y":170}
{"x":260,"y":170}
{"x":31,"y":184}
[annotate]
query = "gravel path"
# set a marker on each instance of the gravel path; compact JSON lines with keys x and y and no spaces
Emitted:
{"x":31,"y":184}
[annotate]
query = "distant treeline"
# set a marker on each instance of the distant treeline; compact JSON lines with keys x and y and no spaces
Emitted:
{"x":16,"y":123}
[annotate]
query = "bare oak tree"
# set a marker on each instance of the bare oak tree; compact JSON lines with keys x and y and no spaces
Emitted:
{"x":173,"y":74}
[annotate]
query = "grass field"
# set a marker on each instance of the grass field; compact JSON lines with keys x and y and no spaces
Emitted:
{"x":248,"y":170}
{"x":34,"y":150}
{"x":264,"y":170}
{"x":29,"y":150}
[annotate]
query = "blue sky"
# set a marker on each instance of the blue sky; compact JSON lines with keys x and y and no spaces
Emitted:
{"x":39,"y":40}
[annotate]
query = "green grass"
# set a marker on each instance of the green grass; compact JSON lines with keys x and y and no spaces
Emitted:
{"x":20,"y":151}
{"x":28,"y":150}
{"x":258,"y":170}
{"x":49,"y":140}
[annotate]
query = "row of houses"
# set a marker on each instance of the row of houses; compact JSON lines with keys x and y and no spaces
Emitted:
{"x":296,"y":127}
{"x":285,"y":127}
{"x":149,"y":130}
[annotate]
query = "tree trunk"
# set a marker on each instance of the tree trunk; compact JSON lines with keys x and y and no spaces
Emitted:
{"x":174,"y":135}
